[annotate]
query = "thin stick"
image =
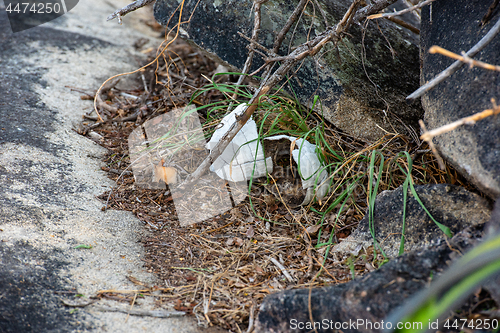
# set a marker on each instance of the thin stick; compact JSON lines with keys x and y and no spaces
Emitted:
{"x":375,"y":7}
{"x":404,"y":25}
{"x":260,"y":46}
{"x":401,"y":12}
{"x":255,"y":37}
{"x":429,"y":135}
{"x":322,"y":11}
{"x":282,"y":269}
{"x":465,"y":59}
{"x":457,"y":64}
{"x":149,"y":313}
{"x":131,"y":307}
{"x":251,"y":319}
{"x":470,"y":120}
{"x":281,"y":35}
{"x":178,"y":25}
{"x":127,"y":9}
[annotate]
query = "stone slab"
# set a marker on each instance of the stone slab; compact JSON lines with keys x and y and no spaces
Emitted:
{"x":474,"y":150}
{"x":362,"y":85}
{"x":452,"y":206}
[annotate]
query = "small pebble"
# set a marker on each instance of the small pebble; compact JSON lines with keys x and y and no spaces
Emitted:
{"x":95,"y":136}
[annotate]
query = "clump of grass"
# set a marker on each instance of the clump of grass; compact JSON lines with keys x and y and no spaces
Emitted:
{"x":358,"y":170}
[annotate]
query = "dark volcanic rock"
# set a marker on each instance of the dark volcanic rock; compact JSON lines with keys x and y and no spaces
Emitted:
{"x":493,"y":286}
{"x":363,"y":304}
{"x":473,"y":150}
{"x":363,"y":85}
{"x":450,"y":205}
{"x":352,"y":306}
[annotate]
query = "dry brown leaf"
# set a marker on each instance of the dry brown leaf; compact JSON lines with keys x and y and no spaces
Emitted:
{"x":313,"y":229}
{"x":258,"y":269}
{"x":250,"y":232}
{"x":166,"y":174}
{"x":238,"y":241}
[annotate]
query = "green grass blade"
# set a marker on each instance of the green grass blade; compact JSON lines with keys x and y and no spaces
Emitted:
{"x":372,"y":194}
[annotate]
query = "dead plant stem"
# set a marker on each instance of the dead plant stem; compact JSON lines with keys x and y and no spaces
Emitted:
{"x":127,"y":9}
{"x":375,"y":7}
{"x":251,"y":53}
{"x":470,"y":120}
{"x":464,"y":58}
{"x":295,"y":14}
{"x":401,"y":12}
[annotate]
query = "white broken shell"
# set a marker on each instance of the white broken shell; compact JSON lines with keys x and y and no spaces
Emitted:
{"x":312,"y":172}
{"x":245,"y":151}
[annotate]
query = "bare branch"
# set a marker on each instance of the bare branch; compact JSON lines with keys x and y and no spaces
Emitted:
{"x":401,"y":12}
{"x":457,"y":64}
{"x":471,"y":120}
{"x":464,"y":58}
{"x":137,"y":312}
{"x":260,"y":46}
{"x":251,"y":319}
{"x":282,"y":269}
{"x":254,"y":39}
{"x":323,"y":13}
{"x":288,"y":25}
{"x":128,"y":8}
{"x":375,"y":7}
{"x":404,"y":25}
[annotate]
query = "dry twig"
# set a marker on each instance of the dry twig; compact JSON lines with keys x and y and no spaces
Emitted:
{"x":149,"y":313}
{"x":464,"y":58}
{"x":375,"y":7}
{"x":255,"y":36}
{"x":404,"y":25}
{"x":470,"y":120}
{"x":127,"y":9}
{"x":251,"y":319}
{"x":401,"y":12}
{"x":457,"y":64}
{"x":281,"y":35}
{"x":282,"y":269}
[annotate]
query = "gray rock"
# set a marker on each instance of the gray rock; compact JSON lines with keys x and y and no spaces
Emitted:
{"x":350,"y":99}
{"x":450,"y":205}
{"x":473,"y":150}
